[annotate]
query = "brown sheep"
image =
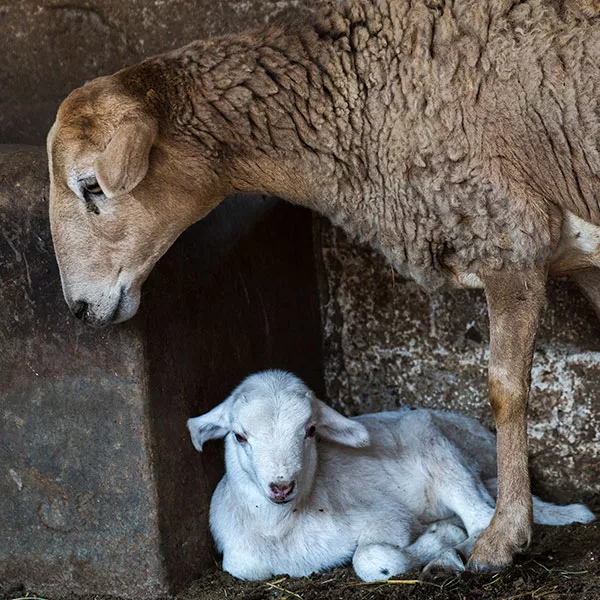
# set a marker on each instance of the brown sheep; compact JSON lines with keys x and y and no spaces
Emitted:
{"x":459,"y":137}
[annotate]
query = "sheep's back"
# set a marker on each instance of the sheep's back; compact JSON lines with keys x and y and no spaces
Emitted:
{"x":479,"y":129}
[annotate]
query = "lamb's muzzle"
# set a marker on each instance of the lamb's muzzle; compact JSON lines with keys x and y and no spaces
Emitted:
{"x":282,"y":492}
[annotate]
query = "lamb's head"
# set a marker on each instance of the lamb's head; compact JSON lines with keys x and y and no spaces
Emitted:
{"x":122,"y":189}
{"x":271,"y":423}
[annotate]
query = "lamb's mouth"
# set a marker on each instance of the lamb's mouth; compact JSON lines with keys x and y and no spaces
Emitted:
{"x":282,"y":501}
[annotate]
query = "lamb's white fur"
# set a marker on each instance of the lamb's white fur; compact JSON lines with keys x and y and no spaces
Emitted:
{"x":387,"y":490}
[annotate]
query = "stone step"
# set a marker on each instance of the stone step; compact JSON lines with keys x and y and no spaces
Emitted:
{"x":101,"y":490}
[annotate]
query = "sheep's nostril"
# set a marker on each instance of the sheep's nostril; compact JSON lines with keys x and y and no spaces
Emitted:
{"x":282,"y":490}
{"x":79,"y":309}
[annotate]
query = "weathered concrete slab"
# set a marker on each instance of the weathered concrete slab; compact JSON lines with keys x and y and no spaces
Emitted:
{"x":387,"y":342}
{"x":77,"y":490}
{"x":101,"y":490}
{"x":49,"y":47}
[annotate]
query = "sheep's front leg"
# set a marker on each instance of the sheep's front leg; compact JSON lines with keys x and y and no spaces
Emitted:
{"x":515,"y":301}
{"x":245,"y":565}
{"x":588,"y":281}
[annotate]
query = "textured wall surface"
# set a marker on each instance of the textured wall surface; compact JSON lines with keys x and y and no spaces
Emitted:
{"x":101,"y":490}
{"x":50,"y":47}
{"x":78,"y":503}
{"x":387,"y":342}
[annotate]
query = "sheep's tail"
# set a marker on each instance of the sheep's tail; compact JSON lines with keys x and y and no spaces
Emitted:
{"x":546,"y":513}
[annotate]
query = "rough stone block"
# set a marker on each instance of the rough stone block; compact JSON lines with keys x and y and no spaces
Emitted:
{"x":48,"y":48}
{"x":101,"y":490}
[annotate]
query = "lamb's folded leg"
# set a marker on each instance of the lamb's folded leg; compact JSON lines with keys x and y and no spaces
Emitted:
{"x":515,"y":301}
{"x":437,"y":543}
{"x":381,"y":559}
{"x":374,"y":562}
{"x":455,"y":486}
{"x":588,"y":281}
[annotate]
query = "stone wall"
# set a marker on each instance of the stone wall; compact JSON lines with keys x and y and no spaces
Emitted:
{"x":101,"y":490}
{"x":387,"y":342}
{"x":50,"y":47}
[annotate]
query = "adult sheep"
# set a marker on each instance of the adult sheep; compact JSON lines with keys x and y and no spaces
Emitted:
{"x":460,"y":138}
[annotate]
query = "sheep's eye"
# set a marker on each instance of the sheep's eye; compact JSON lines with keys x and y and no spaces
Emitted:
{"x":91,"y":191}
{"x":310,"y":432}
{"x":240,"y":438}
{"x":92,"y":187}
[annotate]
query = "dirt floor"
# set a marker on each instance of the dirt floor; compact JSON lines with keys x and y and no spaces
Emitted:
{"x":562,"y":563}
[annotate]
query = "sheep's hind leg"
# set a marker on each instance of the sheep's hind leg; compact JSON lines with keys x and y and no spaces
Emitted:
{"x":515,"y":301}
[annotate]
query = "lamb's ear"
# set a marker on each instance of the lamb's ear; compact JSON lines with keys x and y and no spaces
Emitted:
{"x":333,"y":426}
{"x":125,"y":161}
{"x":211,"y":425}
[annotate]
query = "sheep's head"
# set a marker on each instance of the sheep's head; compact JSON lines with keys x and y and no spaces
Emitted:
{"x":270,"y":423}
{"x":121,"y":191}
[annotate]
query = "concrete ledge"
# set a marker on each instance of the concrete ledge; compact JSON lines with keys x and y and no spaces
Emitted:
{"x":100,"y":488}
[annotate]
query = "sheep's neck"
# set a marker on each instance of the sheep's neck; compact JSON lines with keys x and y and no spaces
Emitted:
{"x":311,"y":114}
{"x":281,"y":111}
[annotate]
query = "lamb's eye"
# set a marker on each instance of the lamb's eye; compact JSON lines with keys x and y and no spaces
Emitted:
{"x":240,"y":438}
{"x":310,"y":432}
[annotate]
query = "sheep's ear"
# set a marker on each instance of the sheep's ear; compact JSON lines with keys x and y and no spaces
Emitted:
{"x":125,"y":161}
{"x":335,"y":427}
{"x":212,"y":425}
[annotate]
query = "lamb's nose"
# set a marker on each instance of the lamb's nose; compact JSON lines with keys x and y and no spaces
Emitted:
{"x":79,"y":308}
{"x":280,"y":491}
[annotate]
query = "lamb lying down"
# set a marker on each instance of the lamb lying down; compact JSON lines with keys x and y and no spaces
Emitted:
{"x":307,"y":489}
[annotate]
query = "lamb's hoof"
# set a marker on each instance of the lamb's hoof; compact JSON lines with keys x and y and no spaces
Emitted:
{"x":446,"y":565}
{"x":375,"y":562}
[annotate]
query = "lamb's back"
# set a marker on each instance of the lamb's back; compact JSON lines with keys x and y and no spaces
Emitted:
{"x":402,"y":443}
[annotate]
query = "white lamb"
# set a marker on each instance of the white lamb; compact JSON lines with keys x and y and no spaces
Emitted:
{"x":307,"y":489}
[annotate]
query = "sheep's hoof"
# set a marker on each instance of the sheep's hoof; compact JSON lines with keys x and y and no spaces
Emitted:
{"x":491,"y":554}
{"x":496,"y":563}
{"x":497,"y":545}
{"x":481,"y":568}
